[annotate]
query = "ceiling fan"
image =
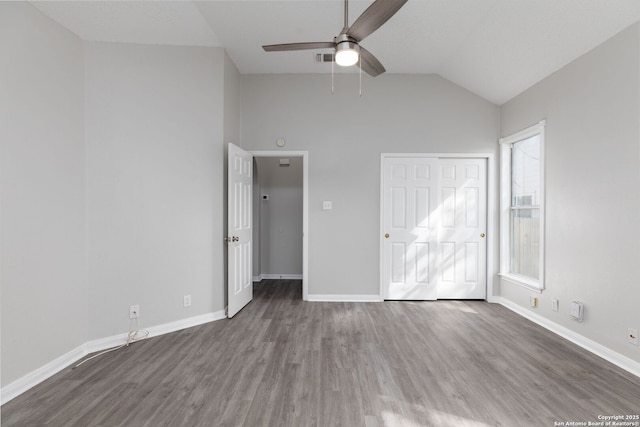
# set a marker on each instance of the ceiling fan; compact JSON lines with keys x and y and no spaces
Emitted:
{"x":346,"y":45}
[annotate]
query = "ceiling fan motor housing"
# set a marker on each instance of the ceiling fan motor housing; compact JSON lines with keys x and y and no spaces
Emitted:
{"x":343,"y":41}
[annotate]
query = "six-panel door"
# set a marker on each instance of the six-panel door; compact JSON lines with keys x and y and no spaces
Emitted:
{"x":434,"y":225}
{"x":462,"y":229}
{"x":239,"y":229}
{"x":409,"y":212}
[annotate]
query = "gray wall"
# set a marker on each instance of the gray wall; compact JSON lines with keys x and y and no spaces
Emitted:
{"x":154,"y":118}
{"x":42,"y":256}
{"x":592,"y":107}
{"x":345,"y":134}
{"x":112,"y":185}
{"x":280,"y":217}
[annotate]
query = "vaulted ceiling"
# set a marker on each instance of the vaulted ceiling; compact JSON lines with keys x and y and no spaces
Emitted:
{"x":494,"y":48}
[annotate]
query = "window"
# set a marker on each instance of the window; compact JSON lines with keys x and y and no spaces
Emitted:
{"x":522,"y":207}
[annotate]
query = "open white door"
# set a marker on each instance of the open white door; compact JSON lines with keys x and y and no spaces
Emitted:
{"x":239,"y":229}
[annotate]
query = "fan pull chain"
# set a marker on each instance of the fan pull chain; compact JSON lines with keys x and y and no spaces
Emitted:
{"x":333,"y":59}
{"x":360,"y":58}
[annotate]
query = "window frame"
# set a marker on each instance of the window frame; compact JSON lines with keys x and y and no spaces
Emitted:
{"x":506,"y":145}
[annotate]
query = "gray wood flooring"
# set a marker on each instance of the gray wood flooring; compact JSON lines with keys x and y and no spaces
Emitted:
{"x":285,"y":362}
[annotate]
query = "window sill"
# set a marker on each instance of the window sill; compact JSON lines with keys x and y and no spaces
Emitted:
{"x":525,"y":282}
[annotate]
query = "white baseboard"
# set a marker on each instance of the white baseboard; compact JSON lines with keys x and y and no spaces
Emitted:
{"x":189,"y":322}
{"x":343,"y":298}
{"x":494,"y":299}
{"x":614,"y":357}
{"x":279,"y":276}
{"x":19,"y":386}
{"x":256,"y":278}
{"x":154,"y":331}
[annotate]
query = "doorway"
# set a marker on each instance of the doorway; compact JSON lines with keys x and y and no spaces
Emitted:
{"x":280,"y":223}
{"x":434,"y":214}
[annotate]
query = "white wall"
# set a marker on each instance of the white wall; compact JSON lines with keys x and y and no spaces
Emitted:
{"x":43,"y":266}
{"x":592,"y":107}
{"x":280,"y":217}
{"x":345,"y":134}
{"x":154,"y":120}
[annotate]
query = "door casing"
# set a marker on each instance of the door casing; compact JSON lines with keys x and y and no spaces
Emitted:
{"x":305,"y":209}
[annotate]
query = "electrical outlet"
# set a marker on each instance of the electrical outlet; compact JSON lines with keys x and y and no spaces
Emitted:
{"x":632,"y":336}
{"x":533,"y":302}
{"x":554,"y":305}
{"x":577,"y":311}
{"x":134,"y":311}
{"x":187,"y":300}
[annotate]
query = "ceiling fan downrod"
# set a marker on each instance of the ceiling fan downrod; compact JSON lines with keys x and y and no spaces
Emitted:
{"x":346,"y":16}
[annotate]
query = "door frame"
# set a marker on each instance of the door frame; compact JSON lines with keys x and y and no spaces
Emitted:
{"x":305,"y":209}
{"x":491,"y":209}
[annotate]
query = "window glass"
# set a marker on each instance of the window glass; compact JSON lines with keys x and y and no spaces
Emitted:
{"x":525,"y":172}
{"x":525,"y":242}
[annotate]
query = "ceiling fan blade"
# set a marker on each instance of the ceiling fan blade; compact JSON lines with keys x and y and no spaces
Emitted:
{"x":373,"y":17}
{"x":370,"y":63}
{"x":298,"y":46}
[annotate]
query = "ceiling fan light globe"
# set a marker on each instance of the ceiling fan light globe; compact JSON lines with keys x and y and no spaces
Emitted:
{"x":347,"y":58}
{"x":347,"y":54}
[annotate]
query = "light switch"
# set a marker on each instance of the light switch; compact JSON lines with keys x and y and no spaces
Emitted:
{"x":326,"y":205}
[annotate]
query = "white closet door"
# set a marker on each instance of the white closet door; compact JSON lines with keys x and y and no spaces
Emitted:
{"x":462,"y":270}
{"x":410,"y":231}
{"x":434,"y":225}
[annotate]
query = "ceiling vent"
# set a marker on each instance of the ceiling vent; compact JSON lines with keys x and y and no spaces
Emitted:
{"x":324,"y":57}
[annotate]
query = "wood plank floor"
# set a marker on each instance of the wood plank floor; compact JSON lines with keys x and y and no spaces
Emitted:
{"x":285,"y":362}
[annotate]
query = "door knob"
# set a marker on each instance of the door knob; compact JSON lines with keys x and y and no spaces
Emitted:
{"x":386,"y":236}
{"x":482,"y":235}
{"x":235,"y":239}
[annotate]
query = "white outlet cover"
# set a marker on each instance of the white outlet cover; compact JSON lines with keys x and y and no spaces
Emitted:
{"x":134,"y":311}
{"x":327,"y":205}
{"x":554,"y":305}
